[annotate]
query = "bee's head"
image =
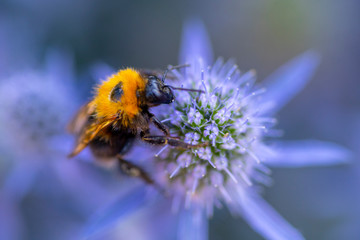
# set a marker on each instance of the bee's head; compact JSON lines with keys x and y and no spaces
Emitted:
{"x":156,"y":92}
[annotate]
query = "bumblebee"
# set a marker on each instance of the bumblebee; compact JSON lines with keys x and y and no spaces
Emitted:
{"x":119,"y":113}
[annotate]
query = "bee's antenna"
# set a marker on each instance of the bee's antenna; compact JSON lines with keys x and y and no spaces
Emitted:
{"x":185,"y":89}
{"x":172,"y":68}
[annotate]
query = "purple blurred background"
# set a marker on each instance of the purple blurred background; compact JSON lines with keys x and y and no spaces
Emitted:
{"x":63,"y":40}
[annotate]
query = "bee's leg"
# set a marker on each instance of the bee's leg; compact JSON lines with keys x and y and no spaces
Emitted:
{"x":134,"y":170}
{"x":159,"y":124}
{"x":163,"y":140}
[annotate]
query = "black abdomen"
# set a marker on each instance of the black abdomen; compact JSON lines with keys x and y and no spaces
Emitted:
{"x":115,"y":142}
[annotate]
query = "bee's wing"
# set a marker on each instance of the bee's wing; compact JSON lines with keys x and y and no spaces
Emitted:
{"x":158,"y":73}
{"x":81,"y":118}
{"x":82,"y":126}
{"x":88,"y":133}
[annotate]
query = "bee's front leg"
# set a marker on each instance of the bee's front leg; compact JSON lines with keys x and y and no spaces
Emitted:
{"x":163,"y":140}
{"x":159,"y":124}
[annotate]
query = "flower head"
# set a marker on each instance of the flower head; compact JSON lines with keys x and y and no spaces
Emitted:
{"x":227,"y":116}
{"x":36,"y":105}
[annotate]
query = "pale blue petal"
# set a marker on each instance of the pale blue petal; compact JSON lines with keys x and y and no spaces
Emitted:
{"x":195,"y":43}
{"x":307,"y":153}
{"x":290,"y":79}
{"x":265,"y":220}
{"x":192,"y":225}
{"x":133,"y":201}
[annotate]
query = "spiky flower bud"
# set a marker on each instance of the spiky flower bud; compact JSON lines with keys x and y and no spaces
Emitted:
{"x":228,"y":119}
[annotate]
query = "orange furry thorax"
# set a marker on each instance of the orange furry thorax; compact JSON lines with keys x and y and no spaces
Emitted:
{"x":128,"y":107}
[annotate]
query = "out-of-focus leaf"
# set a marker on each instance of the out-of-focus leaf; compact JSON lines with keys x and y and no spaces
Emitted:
{"x":117,"y":211}
{"x":265,"y":220}
{"x":307,"y":153}
{"x":195,"y":43}
{"x":191,"y":226}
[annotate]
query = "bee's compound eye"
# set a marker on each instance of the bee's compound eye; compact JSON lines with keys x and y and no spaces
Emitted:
{"x":116,"y":93}
{"x":151,"y":77}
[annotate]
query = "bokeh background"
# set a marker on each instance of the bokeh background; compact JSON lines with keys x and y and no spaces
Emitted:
{"x":45,"y":196}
